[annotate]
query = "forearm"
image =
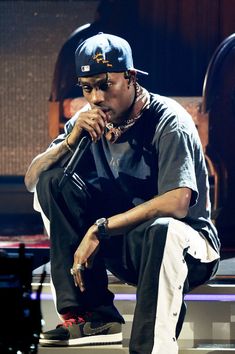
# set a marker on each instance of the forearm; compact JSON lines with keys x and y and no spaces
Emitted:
{"x":47,"y":159}
{"x":43,"y":162}
{"x":171,"y":204}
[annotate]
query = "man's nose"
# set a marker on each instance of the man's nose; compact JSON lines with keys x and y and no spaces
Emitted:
{"x":97,"y":96}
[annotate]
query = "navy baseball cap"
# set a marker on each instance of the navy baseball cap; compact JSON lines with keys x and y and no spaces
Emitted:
{"x":104,"y":53}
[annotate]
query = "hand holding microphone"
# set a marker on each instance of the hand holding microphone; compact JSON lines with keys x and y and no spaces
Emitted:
{"x":88,"y":128}
{"x":93,"y":122}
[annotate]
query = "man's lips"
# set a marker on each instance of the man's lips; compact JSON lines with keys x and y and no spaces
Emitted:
{"x":105,"y":109}
{"x":108,"y":112}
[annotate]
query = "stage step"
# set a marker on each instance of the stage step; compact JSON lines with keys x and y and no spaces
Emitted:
{"x":119,"y":349}
{"x":209,"y":325}
{"x":108,"y":349}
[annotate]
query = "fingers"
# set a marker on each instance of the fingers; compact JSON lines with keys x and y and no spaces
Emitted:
{"x":78,"y":271}
{"x":94,"y":122}
{"x":84,"y":253}
{"x":78,"y":276}
{"x":90,"y":260}
{"x":79,"y":281}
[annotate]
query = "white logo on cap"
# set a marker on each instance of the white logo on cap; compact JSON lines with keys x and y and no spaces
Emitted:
{"x":85,"y":68}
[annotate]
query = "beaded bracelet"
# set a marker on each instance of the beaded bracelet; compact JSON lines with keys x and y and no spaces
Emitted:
{"x":67,"y":144}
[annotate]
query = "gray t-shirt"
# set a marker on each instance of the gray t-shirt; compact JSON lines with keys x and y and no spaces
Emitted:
{"x":160,"y":152}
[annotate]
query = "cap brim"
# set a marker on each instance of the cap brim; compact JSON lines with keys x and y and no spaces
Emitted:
{"x":141,"y":71}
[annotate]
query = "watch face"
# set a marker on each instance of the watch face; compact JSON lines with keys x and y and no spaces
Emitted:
{"x":102,"y":228}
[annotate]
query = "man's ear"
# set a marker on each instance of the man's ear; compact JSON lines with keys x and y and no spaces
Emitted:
{"x":133,"y":76}
{"x":130,"y":75}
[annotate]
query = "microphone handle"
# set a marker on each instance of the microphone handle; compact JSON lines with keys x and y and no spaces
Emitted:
{"x":83,"y":145}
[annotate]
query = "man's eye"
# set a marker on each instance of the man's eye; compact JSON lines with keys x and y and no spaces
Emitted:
{"x":86,"y":88}
{"x":105,"y":86}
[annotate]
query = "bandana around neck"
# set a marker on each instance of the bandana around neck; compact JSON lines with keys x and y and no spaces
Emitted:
{"x":142,"y":101}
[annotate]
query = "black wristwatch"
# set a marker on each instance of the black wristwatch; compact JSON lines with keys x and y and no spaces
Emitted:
{"x":102,"y":229}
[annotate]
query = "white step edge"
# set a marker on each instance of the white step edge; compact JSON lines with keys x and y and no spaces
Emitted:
{"x":118,"y":349}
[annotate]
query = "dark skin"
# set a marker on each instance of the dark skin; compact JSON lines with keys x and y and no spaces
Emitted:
{"x":111,"y":97}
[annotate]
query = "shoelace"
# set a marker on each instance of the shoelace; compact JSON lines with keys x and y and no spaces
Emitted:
{"x":71,"y":321}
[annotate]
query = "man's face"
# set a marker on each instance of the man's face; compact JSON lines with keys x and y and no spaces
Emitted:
{"x":111,"y":92}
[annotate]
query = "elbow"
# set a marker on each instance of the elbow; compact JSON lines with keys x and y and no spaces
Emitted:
{"x":29,"y":184}
{"x":182,"y":203}
{"x":181,"y":213}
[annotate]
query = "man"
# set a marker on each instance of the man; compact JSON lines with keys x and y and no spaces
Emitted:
{"x":66,"y":95}
{"x":137,"y":204}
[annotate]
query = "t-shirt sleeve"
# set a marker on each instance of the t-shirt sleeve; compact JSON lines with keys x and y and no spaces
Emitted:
{"x":176,"y":163}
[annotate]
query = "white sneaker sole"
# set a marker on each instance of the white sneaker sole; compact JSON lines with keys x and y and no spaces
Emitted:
{"x":89,"y":340}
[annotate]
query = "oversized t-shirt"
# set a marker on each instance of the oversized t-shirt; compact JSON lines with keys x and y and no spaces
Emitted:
{"x":160,"y":152}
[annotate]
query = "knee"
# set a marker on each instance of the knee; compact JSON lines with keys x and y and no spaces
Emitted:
{"x":153,"y":233}
{"x":49,"y":180}
{"x":161,"y":223}
{"x":158,"y":228}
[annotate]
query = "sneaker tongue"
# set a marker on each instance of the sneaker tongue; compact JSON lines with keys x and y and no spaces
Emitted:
{"x":68,"y":323}
{"x":80,"y":319}
{"x":70,"y":314}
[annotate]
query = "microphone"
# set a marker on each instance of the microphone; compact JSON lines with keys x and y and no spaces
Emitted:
{"x":81,"y":148}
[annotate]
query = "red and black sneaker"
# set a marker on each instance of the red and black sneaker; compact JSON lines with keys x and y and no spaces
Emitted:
{"x":79,"y":332}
